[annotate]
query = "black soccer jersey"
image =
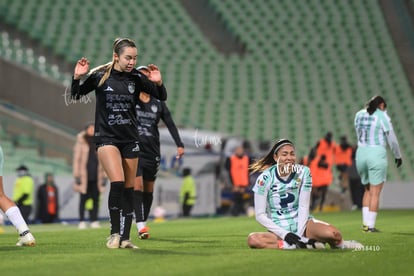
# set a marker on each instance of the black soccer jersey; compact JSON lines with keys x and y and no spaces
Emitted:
{"x":149,"y":115}
{"x":116,"y":98}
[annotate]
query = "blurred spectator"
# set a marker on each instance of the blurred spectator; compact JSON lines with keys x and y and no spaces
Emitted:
{"x":237,"y":166}
{"x":88,"y":174}
{"x":47,"y":203}
{"x":326,"y":146}
{"x":23,"y":192}
{"x":307,"y":159}
{"x":321,"y":179}
{"x":188,"y":192}
{"x":343,"y":160}
{"x":321,"y":168}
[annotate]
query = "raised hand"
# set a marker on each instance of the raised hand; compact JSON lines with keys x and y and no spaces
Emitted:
{"x":155,"y":74}
{"x":81,"y":68}
{"x":180,"y":152}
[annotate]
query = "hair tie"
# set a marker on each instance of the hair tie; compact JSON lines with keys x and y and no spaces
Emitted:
{"x":281,"y":143}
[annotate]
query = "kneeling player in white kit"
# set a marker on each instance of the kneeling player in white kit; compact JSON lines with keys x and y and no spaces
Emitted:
{"x":284,"y":188}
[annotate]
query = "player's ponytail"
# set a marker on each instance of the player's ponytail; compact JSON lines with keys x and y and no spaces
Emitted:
{"x":373,"y":104}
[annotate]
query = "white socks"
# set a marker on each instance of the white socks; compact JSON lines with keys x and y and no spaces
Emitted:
{"x":365,"y":211}
{"x":368,"y":218}
{"x":15,"y":217}
{"x":372,"y":218}
{"x":141,"y":225}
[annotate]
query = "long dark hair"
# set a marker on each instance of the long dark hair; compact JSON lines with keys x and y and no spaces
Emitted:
{"x":268,"y":160}
{"x":373,"y":104}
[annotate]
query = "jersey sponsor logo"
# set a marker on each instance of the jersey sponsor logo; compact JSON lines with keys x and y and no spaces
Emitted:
{"x":154,"y":108}
{"x":131,"y":87}
{"x":285,"y":202}
{"x":109,"y":88}
{"x":118,"y":120}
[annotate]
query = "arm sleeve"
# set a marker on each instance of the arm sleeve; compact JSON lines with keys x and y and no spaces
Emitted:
{"x":304,"y":201}
{"x":303,"y":216}
{"x":151,"y":88}
{"x":390,"y":134}
{"x":77,"y":89}
{"x":162,"y":92}
{"x":393,"y":142}
{"x":263,"y":219}
{"x":169,"y":122}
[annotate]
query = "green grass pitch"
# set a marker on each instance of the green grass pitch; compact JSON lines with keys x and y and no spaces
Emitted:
{"x":211,"y":246}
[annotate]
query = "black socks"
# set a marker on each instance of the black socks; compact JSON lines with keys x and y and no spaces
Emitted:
{"x":114,"y":205}
{"x":147,"y":198}
{"x":127,"y":213}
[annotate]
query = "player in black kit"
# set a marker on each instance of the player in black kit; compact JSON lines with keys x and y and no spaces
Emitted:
{"x":149,"y":112}
{"x":117,"y":85}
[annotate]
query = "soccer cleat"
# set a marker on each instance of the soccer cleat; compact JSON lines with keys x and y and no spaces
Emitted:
{"x":143,"y":233}
{"x":128,"y":244}
{"x":281,"y":244}
{"x":351,"y":244}
{"x":82,"y":225}
{"x":26,"y":239}
{"x":95,"y":225}
{"x":313,"y":244}
{"x":113,"y":241}
{"x":367,"y":229}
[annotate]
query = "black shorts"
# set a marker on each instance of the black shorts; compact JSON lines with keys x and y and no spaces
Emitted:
{"x":128,"y":150}
{"x":148,"y":169}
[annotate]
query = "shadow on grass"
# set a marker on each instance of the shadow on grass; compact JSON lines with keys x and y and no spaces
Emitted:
{"x":185,"y":241}
{"x":10,"y":248}
{"x":402,"y":233}
{"x":163,"y":252}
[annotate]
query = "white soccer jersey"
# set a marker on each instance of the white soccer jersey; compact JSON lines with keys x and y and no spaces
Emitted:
{"x":282,"y":198}
{"x":371,"y":129}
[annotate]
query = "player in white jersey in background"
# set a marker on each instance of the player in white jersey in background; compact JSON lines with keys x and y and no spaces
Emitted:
{"x":13,"y":213}
{"x":282,"y":198}
{"x":374,"y":129}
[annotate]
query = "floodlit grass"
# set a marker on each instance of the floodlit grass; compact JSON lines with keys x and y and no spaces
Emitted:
{"x":211,"y":246}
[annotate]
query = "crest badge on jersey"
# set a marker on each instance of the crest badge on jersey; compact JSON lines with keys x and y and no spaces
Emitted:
{"x":154,"y":108}
{"x":298,"y":182}
{"x":131,"y":87}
